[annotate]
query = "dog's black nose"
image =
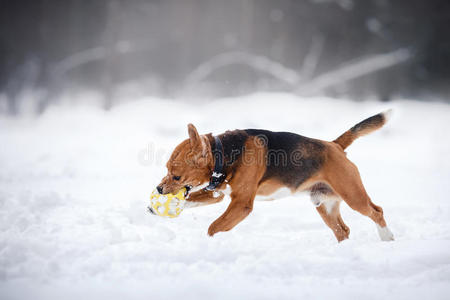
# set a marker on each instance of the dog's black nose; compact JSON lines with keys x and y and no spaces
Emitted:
{"x":159,"y":189}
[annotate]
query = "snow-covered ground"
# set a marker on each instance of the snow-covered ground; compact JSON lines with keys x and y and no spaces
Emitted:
{"x":75,"y":183}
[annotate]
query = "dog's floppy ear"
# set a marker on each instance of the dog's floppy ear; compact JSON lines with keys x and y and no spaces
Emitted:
{"x":196,"y":141}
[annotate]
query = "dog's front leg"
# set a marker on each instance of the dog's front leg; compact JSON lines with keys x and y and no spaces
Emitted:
{"x":235,"y":213}
{"x":203,"y":197}
{"x":241,"y":205}
{"x":244,"y":185}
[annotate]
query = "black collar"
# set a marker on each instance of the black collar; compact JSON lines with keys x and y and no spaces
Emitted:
{"x":218,"y":176}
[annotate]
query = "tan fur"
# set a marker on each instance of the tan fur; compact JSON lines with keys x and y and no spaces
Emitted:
{"x":192,"y":159}
{"x":269,"y":187}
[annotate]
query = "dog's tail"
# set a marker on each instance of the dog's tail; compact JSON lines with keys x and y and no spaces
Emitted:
{"x":362,"y":128}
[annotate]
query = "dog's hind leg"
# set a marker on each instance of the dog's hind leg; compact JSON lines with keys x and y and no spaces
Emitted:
{"x":344,"y":178}
{"x":327,"y":204}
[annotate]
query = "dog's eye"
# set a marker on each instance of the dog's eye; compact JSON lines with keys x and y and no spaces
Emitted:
{"x":176,"y":178}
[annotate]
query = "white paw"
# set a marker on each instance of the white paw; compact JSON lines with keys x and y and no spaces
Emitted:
{"x":385,"y":233}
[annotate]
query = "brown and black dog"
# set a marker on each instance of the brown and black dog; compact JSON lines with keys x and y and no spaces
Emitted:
{"x":260,"y":162}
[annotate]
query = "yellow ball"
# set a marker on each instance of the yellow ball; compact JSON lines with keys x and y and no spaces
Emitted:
{"x":168,"y":205}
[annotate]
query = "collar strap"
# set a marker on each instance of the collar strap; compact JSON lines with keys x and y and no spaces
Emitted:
{"x":218,"y":176}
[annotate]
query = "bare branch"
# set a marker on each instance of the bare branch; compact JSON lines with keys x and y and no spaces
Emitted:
{"x":312,"y":57}
{"x":354,"y":70}
{"x":256,"y":62}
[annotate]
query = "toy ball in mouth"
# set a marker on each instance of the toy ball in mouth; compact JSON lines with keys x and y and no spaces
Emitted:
{"x":167,"y":205}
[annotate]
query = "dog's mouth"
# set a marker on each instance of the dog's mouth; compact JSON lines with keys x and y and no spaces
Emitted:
{"x":188,"y":188}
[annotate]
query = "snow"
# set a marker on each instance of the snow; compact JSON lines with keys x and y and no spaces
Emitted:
{"x":75,"y":183}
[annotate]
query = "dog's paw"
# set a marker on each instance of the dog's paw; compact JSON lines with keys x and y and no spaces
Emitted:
{"x":385,"y":234}
{"x":211,"y":231}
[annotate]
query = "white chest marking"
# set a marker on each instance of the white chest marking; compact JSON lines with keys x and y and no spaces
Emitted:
{"x":227,"y":191}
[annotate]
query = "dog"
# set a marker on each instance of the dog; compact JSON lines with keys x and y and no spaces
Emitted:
{"x":260,"y":162}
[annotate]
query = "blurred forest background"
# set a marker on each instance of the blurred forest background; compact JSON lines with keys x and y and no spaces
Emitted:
{"x":213,"y":48}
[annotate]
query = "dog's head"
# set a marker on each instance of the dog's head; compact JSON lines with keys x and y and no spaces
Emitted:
{"x":189,"y":165}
